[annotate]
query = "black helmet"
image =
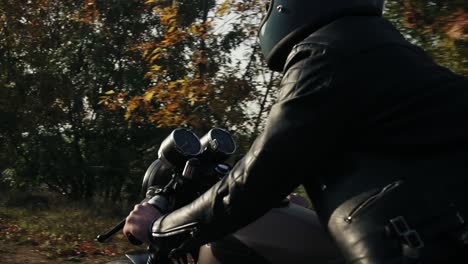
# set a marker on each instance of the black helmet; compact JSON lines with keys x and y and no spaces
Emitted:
{"x":290,"y":21}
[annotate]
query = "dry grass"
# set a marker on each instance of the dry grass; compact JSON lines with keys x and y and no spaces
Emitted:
{"x":58,"y":234}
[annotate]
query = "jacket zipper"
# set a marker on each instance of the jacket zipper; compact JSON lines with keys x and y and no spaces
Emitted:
{"x":371,"y":200}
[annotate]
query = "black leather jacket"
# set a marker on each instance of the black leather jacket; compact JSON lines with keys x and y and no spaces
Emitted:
{"x":359,"y":107}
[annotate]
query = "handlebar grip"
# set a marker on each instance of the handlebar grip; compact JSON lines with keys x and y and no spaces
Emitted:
{"x":133,"y":240}
{"x":159,"y":202}
{"x":103,"y":237}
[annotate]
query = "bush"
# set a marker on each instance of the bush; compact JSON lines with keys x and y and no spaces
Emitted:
{"x":27,"y":200}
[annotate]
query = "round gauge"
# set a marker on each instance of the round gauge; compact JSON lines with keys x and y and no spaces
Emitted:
{"x":217,"y":146}
{"x":181,"y":145}
{"x":224,"y":140}
{"x":186,"y":142}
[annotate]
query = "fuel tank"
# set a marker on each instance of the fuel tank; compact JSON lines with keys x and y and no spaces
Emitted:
{"x":287,"y":234}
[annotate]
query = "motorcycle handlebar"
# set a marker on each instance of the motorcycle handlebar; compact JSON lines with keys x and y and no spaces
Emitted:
{"x":103,"y":237}
{"x":218,"y":145}
{"x":160,"y":202}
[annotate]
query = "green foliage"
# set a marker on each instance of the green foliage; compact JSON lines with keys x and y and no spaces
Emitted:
{"x":194,"y":80}
{"x":439,"y":27}
{"x":57,"y":58}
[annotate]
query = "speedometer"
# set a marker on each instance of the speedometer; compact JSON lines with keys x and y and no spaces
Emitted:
{"x":217,"y":145}
{"x":181,"y":145}
{"x":186,"y":142}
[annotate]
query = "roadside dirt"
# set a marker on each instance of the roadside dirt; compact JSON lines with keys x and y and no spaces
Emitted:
{"x":49,"y":236}
{"x":11,"y":253}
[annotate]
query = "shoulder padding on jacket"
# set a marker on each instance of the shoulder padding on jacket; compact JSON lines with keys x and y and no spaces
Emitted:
{"x":349,"y":36}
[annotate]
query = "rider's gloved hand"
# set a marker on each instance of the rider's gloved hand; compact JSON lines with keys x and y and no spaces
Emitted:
{"x":139,"y":220}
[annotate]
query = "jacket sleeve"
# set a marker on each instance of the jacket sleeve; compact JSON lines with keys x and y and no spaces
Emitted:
{"x":301,"y":129}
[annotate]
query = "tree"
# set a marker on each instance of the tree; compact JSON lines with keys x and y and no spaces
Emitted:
{"x":57,"y":58}
{"x":439,"y":27}
{"x":194,"y":80}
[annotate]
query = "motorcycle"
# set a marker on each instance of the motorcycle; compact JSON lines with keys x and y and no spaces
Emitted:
{"x":186,"y":167}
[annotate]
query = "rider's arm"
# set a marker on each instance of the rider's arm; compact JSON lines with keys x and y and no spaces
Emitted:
{"x":301,"y":130}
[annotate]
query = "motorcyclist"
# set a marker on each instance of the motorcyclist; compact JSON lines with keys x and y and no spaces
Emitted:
{"x":367,"y":122}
